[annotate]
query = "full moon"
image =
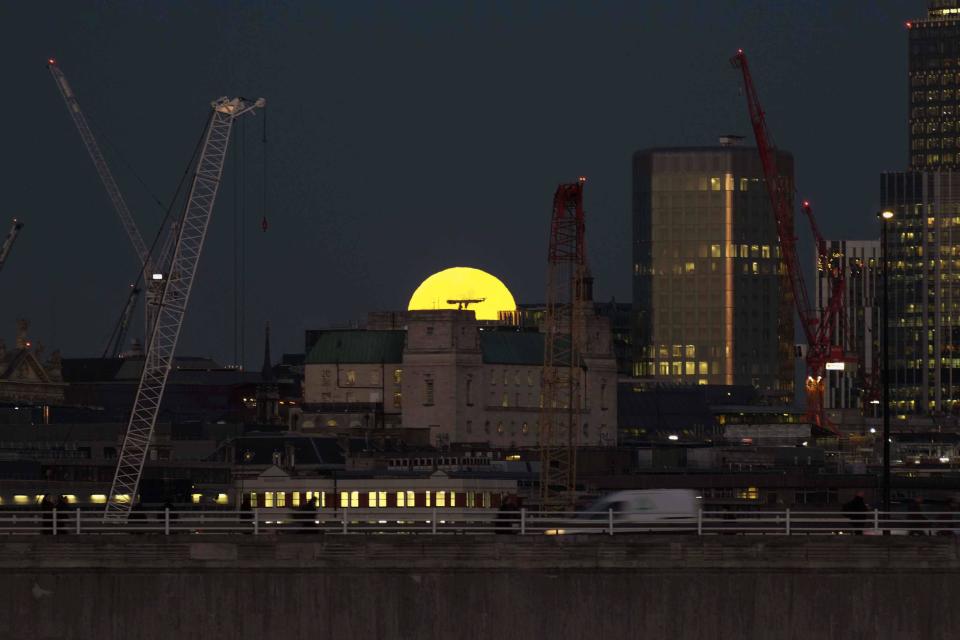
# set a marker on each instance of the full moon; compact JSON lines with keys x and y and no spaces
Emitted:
{"x":465,"y":287}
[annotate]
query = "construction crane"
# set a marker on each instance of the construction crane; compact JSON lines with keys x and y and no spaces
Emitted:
{"x":192,"y":231}
{"x":153,"y":269}
{"x":464,"y":303}
{"x":7,"y":245}
{"x":818,"y":327}
{"x":119,"y":336}
{"x":562,"y":378}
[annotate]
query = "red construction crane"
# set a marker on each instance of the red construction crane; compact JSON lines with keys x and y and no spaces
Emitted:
{"x":562,"y":378}
{"x":818,"y":326}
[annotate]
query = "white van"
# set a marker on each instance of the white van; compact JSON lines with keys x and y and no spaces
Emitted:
{"x":638,"y":510}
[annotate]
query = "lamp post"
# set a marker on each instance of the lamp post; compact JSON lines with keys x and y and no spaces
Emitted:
{"x":885,"y":218}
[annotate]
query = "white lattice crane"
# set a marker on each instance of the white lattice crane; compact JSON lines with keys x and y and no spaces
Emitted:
{"x":192,"y":231}
{"x":154,"y":266}
{"x":9,"y":240}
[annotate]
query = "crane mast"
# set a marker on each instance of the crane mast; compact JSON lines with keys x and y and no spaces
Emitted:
{"x":150,"y":266}
{"x":192,"y":231}
{"x":817,"y":327}
{"x":7,"y":245}
{"x":562,"y":378}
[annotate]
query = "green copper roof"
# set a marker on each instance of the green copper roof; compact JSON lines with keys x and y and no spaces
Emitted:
{"x":512,"y":347}
{"x":357,"y":347}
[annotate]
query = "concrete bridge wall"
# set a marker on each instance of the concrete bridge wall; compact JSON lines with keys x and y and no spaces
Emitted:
{"x":358,"y":587}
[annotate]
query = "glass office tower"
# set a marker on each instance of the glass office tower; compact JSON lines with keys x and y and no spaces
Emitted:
{"x":711,"y":301}
{"x":924,"y":253}
{"x":934,"y":61}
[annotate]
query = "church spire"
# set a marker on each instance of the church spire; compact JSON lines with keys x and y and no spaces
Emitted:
{"x":267,"y":370}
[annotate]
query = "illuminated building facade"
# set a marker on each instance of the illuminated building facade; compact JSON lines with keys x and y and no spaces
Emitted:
{"x":465,"y":380}
{"x":934,"y":60}
{"x":858,"y":331}
{"x":924,"y":254}
{"x":711,"y":301}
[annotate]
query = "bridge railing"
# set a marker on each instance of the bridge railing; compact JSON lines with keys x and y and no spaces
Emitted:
{"x":479,"y":521}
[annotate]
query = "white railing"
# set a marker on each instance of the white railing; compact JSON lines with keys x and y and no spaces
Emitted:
{"x":58,"y":522}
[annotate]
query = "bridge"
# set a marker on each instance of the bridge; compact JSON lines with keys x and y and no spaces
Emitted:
{"x":146,"y":586}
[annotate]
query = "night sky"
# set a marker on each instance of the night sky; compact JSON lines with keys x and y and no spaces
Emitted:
{"x":405,"y":137}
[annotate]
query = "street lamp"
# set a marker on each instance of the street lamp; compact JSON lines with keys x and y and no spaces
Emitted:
{"x":885,"y":217}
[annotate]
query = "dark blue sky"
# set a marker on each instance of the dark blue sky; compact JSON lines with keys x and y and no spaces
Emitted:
{"x":406,"y":137}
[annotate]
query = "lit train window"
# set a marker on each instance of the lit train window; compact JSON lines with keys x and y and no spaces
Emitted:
{"x":441,"y":498}
{"x":295,"y":499}
{"x":471,"y":499}
{"x":268,"y":498}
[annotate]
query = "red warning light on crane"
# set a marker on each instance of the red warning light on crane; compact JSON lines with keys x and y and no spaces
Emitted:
{"x":51,"y":61}
{"x":909,"y":25}
{"x":806,"y":203}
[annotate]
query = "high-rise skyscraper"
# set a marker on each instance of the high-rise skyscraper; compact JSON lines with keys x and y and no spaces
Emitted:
{"x":858,"y":330}
{"x":711,"y":301}
{"x":924,"y":256}
{"x":935,"y":87}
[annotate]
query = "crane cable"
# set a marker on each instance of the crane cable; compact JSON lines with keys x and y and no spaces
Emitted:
{"x":137,"y":281}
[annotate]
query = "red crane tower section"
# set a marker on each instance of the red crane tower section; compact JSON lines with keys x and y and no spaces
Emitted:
{"x":562,"y":380}
{"x":818,"y":326}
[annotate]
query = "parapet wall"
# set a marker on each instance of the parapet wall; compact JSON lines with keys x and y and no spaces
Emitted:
{"x":484,"y":587}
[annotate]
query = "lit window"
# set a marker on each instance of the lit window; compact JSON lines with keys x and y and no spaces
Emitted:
{"x":295,"y":498}
{"x":253,"y":499}
{"x":689,"y":368}
{"x":486,"y":499}
{"x":744,"y":184}
{"x":268,"y":498}
{"x":428,"y":498}
{"x":505,"y":402}
{"x":96,"y":498}
{"x":704,"y":368}
{"x":397,"y":400}
{"x":690,"y":351}
{"x":441,"y":498}
{"x":500,"y":427}
{"x":765,"y":251}
{"x":397,"y":376}
{"x":453,"y":499}
{"x":354,"y":499}
{"x":715,"y":251}
{"x":344,"y":500}
{"x":351,"y":377}
{"x":195,"y":498}
{"x":689,"y":267}
{"x":372,"y":499}
{"x":715,"y":184}
{"x":471,"y":499}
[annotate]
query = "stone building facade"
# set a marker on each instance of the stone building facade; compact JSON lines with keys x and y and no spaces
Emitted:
{"x":466,"y":381}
